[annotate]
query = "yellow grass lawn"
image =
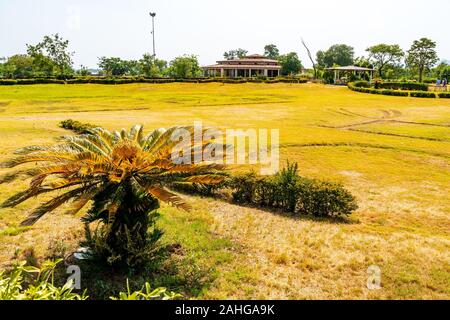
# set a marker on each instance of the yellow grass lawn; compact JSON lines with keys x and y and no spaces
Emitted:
{"x":393,"y":153}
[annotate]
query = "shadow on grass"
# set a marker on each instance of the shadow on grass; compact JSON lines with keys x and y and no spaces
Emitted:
{"x":298,"y":216}
{"x":226,"y":198}
{"x":175,"y":271}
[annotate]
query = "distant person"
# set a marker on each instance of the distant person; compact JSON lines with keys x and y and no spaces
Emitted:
{"x":438,"y":82}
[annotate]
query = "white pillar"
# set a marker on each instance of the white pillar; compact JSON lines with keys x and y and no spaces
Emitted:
{"x":266,"y":72}
{"x":249,"y":73}
{"x":221,"y":72}
{"x":235,"y":73}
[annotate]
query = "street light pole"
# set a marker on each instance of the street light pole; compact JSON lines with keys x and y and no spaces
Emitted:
{"x":153,"y":14}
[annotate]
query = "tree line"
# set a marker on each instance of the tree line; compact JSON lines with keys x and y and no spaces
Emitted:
{"x":52,"y":58}
{"x":389,"y":60}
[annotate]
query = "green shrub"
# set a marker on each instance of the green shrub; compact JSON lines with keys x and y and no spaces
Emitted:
{"x":31,"y":81}
{"x":375,"y":91}
{"x":444,"y":95}
{"x":395,"y":93}
{"x":76,"y":126}
{"x":291,"y":193}
{"x":244,"y":187}
{"x":31,"y":283}
{"x":422,"y":94}
{"x":7,"y":82}
{"x":409,"y":86}
{"x":361,"y":84}
{"x":319,"y":198}
{"x":351,"y":86}
{"x":395,"y":89}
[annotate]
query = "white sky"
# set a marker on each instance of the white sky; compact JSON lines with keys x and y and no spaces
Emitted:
{"x":207,"y":28}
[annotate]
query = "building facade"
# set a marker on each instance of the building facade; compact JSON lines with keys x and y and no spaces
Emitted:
{"x":249,"y":66}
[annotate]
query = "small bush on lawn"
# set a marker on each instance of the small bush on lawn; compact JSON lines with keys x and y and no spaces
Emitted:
{"x":76,"y":126}
{"x":422,"y":94}
{"x":444,"y":95}
{"x":291,"y":193}
{"x":321,"y":198}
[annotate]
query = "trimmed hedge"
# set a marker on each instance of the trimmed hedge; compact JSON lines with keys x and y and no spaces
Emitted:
{"x":395,"y":93}
{"x":31,"y":81}
{"x":361,"y":84}
{"x":422,"y":94}
{"x":409,"y":86}
{"x":444,"y":95}
{"x":351,"y":86}
{"x":390,"y":92}
{"x":40,"y":81}
{"x":7,"y":82}
{"x":294,"y":194}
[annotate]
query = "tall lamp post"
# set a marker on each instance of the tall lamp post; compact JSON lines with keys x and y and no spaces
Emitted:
{"x":153,"y":15}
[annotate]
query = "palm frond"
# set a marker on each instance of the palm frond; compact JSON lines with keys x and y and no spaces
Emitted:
{"x":169,"y":197}
{"x":211,"y":179}
{"x":105,"y":167}
{"x":149,"y":141}
{"x":50,"y":206}
{"x":19,"y":174}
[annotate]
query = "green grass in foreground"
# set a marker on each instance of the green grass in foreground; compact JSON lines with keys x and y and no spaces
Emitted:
{"x":393,"y":153}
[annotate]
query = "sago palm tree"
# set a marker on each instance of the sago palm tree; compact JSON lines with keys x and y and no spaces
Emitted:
{"x":122,"y":174}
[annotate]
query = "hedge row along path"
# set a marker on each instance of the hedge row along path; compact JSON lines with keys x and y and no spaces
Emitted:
{"x":399,"y":93}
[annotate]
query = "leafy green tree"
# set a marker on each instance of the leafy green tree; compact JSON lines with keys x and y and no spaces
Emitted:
{"x":235,"y":54}
{"x":186,"y":66}
{"x":384,"y":54}
{"x":152,"y":67}
{"x":338,"y":54}
{"x":422,"y":56}
{"x":55,"y":49}
{"x":122,"y":174}
{"x":271,"y":51}
{"x":133,"y":67}
{"x":83,"y":71}
{"x":114,"y":66}
{"x":18,"y":66}
{"x":290,"y":63}
{"x":442,"y":71}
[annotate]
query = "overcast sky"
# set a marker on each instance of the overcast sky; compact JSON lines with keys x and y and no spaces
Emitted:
{"x":207,"y":28}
